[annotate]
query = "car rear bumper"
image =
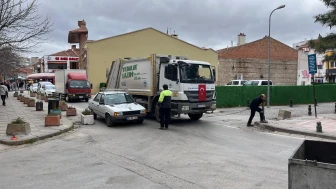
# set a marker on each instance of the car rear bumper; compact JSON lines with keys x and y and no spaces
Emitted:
{"x":128,"y":118}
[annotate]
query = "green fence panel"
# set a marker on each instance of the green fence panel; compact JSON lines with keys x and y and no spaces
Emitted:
{"x":233,"y":96}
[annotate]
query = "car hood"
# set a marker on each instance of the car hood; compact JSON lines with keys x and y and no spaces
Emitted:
{"x":126,"y":107}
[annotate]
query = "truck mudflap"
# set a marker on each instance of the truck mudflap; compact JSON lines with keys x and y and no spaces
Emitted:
{"x":190,"y":108}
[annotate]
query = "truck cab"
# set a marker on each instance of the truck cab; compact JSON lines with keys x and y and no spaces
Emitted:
{"x":78,"y":87}
{"x":192,"y":84}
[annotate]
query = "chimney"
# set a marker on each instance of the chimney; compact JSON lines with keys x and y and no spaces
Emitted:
{"x":73,"y":47}
{"x":241,"y":39}
{"x":81,"y":24}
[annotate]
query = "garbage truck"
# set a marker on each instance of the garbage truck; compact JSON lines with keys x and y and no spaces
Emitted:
{"x":72,"y":85}
{"x":192,"y":83}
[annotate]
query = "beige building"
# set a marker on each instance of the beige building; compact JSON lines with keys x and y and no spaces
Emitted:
{"x":140,"y":43}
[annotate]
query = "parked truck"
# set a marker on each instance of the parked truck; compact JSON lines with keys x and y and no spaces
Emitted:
{"x":192,"y":83}
{"x":72,"y":85}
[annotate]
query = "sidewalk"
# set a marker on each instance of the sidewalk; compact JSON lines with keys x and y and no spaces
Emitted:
{"x":14,"y":109}
{"x":299,"y":123}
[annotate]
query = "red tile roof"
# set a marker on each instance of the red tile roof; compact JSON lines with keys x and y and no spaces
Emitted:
{"x":69,"y":52}
{"x":259,"y":50}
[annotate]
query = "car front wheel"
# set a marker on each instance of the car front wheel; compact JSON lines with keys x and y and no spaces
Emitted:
{"x":108,"y":120}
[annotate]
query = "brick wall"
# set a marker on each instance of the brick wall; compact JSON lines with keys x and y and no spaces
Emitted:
{"x":282,"y":72}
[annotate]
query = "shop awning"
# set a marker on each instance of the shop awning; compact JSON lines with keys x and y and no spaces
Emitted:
{"x":41,"y":76}
{"x":57,"y":62}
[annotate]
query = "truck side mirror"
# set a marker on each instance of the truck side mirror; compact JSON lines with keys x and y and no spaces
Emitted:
{"x":91,"y":85}
{"x":214,"y":72}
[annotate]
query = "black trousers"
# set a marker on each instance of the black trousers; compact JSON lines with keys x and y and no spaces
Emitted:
{"x":3,"y":98}
{"x":164,"y":117}
{"x":253,"y":111}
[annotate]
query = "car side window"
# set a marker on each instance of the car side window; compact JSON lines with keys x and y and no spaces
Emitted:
{"x":265,"y":83}
{"x":255,"y":82}
{"x":229,"y":83}
{"x":102,"y":99}
{"x":235,"y":82}
{"x":96,"y":99}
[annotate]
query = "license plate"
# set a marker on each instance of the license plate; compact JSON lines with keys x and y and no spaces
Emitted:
{"x":131,"y":118}
{"x":80,"y":97}
{"x":201,"y":106}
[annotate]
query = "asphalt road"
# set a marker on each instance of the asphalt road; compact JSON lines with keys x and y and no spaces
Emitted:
{"x":215,"y":152}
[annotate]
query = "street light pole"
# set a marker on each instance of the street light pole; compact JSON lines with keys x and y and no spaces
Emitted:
{"x":269,"y":66}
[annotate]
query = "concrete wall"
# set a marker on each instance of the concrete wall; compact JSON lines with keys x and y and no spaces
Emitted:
{"x":141,"y":43}
{"x":282,"y":72}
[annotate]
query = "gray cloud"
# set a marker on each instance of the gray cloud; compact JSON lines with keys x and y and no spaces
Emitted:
{"x":211,"y":23}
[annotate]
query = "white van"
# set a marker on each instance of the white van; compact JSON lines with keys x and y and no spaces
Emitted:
{"x":236,"y":83}
{"x":257,"y":82}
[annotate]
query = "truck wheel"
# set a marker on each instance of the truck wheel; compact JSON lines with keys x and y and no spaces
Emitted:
{"x":108,"y":120}
{"x":195,"y":116}
{"x":86,"y":100}
{"x":157,"y":113}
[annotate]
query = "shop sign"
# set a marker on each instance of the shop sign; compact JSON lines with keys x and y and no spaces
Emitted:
{"x":62,"y":58}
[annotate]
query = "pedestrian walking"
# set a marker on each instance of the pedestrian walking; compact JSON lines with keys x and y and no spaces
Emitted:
{"x":164,"y":104}
{"x":3,"y":93}
{"x":254,"y":106}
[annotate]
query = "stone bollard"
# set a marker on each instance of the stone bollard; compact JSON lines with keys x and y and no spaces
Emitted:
{"x":309,"y":110}
{"x":319,"y":127}
{"x":291,"y":103}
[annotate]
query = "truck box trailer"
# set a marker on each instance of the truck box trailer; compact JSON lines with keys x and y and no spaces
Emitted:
{"x":191,"y":82}
{"x":72,"y":85}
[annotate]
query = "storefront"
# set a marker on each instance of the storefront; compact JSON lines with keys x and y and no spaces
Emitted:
{"x":53,"y":63}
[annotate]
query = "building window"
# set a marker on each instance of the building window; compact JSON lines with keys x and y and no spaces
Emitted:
{"x":332,"y":65}
{"x":319,"y":66}
{"x":57,"y":66}
{"x":73,"y":65}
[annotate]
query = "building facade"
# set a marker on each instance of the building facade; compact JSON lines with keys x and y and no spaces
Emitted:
{"x":141,"y":43}
{"x":61,"y":60}
{"x":330,"y":69}
{"x":249,"y":61}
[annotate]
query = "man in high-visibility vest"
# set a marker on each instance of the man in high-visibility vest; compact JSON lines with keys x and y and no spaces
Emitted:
{"x":164,"y":103}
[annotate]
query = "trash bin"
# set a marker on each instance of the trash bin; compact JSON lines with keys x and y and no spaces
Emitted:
{"x":53,"y":103}
{"x":313,"y":165}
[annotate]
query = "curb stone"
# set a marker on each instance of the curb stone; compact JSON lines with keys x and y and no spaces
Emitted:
{"x":292,"y":131}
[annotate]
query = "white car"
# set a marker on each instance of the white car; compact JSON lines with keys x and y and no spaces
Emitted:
{"x":116,"y":106}
{"x":33,"y":88}
{"x":48,"y":90}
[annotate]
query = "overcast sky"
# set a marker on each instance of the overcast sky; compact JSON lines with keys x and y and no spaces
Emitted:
{"x":205,"y":23}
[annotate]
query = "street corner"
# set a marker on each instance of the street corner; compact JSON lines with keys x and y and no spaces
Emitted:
{"x":37,"y":135}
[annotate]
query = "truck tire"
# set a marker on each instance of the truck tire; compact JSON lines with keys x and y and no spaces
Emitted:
{"x":86,"y":100}
{"x":108,"y":120}
{"x":195,"y":116}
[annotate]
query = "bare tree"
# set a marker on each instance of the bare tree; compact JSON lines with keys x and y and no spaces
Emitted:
{"x":9,"y":60}
{"x":21,"y":27}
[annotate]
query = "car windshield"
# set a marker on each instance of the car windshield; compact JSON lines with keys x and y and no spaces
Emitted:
{"x":35,"y":84}
{"x":196,"y":73}
{"x":79,"y":84}
{"x":50,"y":87}
{"x":119,"y":98}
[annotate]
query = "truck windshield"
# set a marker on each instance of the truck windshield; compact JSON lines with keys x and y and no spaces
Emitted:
{"x":118,"y":98}
{"x":196,"y":73}
{"x":79,"y":84}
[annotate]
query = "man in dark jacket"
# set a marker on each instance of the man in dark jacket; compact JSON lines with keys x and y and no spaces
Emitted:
{"x":164,"y":104}
{"x":255,"y":108}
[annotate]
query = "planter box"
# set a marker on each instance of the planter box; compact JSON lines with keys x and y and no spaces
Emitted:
{"x":32,"y":94}
{"x":21,"y":91}
{"x":71,"y":112}
{"x":15,"y":129}
{"x":45,"y":99}
{"x":16,"y":94}
{"x":22,"y":99}
{"x":26,"y":100}
{"x":63,"y":107}
{"x":52,"y":120}
{"x":19,"y":97}
{"x":39,"y":106}
{"x":42,"y":97}
{"x":38,"y":96}
{"x":31,"y":103}
{"x":87,"y":119}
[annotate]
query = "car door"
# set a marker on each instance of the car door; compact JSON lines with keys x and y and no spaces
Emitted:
{"x":95,"y":103}
{"x":101,"y":106}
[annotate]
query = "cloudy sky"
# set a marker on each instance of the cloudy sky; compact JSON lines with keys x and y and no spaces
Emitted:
{"x":205,"y":23}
